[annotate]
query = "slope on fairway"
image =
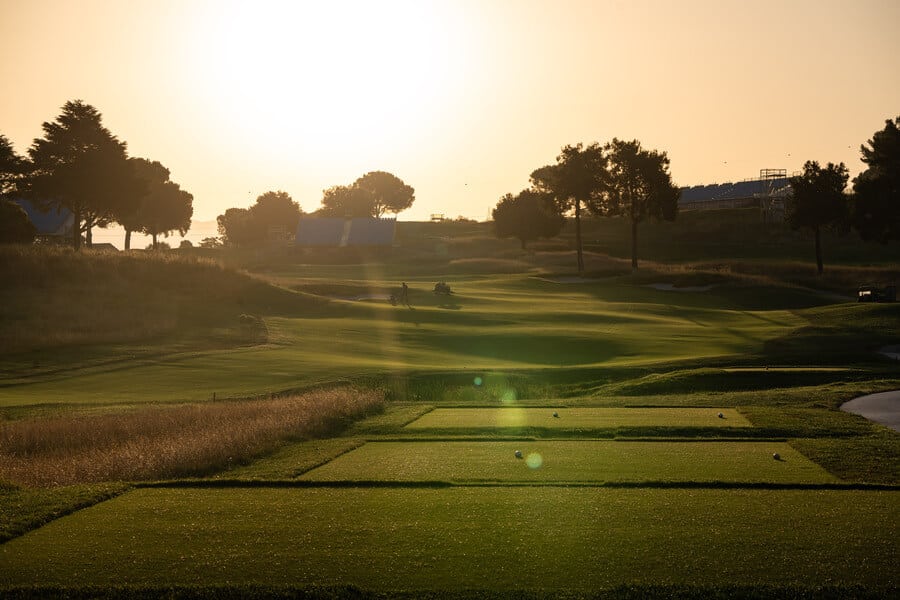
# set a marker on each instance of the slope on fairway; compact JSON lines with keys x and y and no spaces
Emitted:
{"x":572,"y":461}
{"x":499,"y":328}
{"x":463,"y":538}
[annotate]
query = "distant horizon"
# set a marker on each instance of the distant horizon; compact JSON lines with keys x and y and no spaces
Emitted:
{"x":461,"y":99}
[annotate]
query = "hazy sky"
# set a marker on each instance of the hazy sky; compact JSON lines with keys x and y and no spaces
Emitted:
{"x":462,"y":99}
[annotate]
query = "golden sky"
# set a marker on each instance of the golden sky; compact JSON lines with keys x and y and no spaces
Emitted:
{"x":462,"y":99}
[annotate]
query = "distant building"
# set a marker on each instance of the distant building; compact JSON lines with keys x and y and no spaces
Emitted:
{"x":53,"y":225}
{"x":767,"y":193}
{"x":340,"y":233}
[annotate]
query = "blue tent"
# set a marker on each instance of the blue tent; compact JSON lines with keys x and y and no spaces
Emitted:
{"x":50,"y":223}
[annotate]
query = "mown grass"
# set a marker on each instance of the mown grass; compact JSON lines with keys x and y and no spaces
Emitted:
{"x":499,"y":539}
{"x":572,"y":461}
{"x":169,"y":442}
{"x":24,"y":509}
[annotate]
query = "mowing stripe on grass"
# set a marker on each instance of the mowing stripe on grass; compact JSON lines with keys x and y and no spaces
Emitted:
{"x":467,"y":538}
{"x":582,"y":461}
{"x":577,"y":418}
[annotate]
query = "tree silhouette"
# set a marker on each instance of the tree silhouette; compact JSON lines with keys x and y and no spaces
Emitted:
{"x":876,"y":213}
{"x":818,"y":200}
{"x":276,"y":210}
{"x":346,"y":201}
{"x":237,"y":227}
{"x":640,"y":187}
{"x":578,"y":177}
{"x":12,"y":166}
{"x":388,"y":192}
{"x":15,"y":226}
{"x":153,"y":174}
{"x":526,"y":217}
{"x":79,"y":165}
{"x":166,"y":208}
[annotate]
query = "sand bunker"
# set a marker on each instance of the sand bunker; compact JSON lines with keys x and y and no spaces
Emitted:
{"x":883,"y":407}
{"x":892,"y":352}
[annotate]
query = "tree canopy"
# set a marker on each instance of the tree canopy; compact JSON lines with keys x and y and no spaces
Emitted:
{"x":15,"y":226}
{"x":372,"y":195}
{"x":79,"y":165}
{"x":387,"y":191}
{"x":818,"y":200}
{"x":526,"y":216}
{"x":640,"y":187}
{"x":876,"y":213}
{"x":578,"y":177}
{"x":12,"y":166}
{"x":273,"y":212}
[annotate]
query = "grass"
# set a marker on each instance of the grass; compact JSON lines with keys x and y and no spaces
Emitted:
{"x":427,"y":494}
{"x":572,"y":461}
{"x":155,"y":443}
{"x":502,"y":539}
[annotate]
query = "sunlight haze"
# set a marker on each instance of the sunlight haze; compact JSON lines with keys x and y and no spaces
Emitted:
{"x":460,"y":99}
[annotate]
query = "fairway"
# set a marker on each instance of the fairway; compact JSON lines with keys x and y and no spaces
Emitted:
{"x":498,"y":538}
{"x":572,"y":461}
{"x":577,"y":418}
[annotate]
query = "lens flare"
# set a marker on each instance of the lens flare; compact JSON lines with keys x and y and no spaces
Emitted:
{"x":478,"y":381}
{"x":508,"y":396}
{"x":534,"y":460}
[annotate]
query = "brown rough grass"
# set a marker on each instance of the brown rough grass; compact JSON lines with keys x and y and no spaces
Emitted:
{"x":171,"y":442}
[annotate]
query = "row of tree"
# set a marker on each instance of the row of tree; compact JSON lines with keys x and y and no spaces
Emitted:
{"x":80,"y":166}
{"x":819,"y":199}
{"x":275,"y":214}
{"x":619,"y":178}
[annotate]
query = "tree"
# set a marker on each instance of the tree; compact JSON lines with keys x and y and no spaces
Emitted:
{"x":640,"y":187}
{"x":276,"y":210}
{"x":165,"y":209}
{"x":237,"y":228}
{"x":15,"y":226}
{"x":346,"y":201}
{"x":152,"y":174}
{"x":579,"y":176}
{"x":526,"y":217}
{"x":818,"y":200}
{"x":388,"y":192}
{"x":11,"y":168}
{"x":876,"y":213}
{"x":80,"y":166}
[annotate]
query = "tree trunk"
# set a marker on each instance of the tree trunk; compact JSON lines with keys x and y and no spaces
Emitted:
{"x":578,"y":236}
{"x":634,"y":263}
{"x":89,"y":235}
{"x":155,"y":246}
{"x":76,"y":229}
{"x":819,"y":251}
{"x":128,"y":239}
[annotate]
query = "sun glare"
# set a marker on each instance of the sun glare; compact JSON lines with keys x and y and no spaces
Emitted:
{"x":328,"y":77}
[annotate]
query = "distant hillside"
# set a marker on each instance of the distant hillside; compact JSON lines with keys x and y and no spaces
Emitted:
{"x":54,"y":297}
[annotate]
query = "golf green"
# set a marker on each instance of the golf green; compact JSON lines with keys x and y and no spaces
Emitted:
{"x":572,"y":461}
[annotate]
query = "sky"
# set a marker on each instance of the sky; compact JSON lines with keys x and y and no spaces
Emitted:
{"x":462,"y":99}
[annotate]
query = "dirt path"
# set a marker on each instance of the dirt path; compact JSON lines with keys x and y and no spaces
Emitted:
{"x":882,"y":408}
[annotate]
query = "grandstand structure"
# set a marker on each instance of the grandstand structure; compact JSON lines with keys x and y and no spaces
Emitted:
{"x":341,"y":233}
{"x":767,"y":192}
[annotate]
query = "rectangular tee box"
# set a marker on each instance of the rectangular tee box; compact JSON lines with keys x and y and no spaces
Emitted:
{"x":585,"y":461}
{"x":577,"y":418}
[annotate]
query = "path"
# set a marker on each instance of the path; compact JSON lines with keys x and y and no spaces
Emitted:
{"x":882,"y":408}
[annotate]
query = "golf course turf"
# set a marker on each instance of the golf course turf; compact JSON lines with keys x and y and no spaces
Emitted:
{"x":610,"y":391}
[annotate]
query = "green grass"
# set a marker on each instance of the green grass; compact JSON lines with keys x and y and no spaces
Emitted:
{"x":544,"y":538}
{"x":546,"y":461}
{"x":575,"y":418}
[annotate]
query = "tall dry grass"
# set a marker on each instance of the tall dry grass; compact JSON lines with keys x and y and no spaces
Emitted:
{"x":171,"y":442}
